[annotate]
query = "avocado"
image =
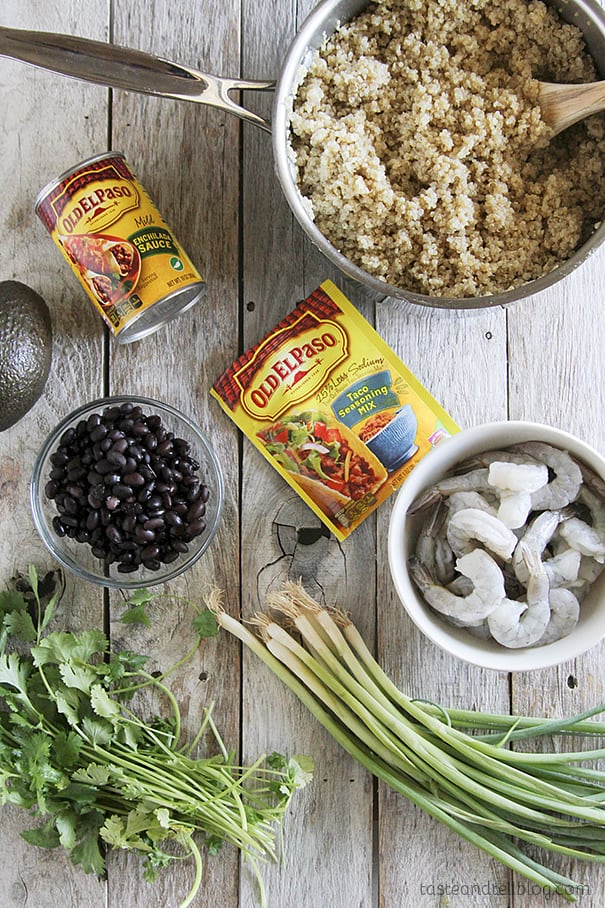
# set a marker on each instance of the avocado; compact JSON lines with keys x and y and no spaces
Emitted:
{"x":25,"y":350}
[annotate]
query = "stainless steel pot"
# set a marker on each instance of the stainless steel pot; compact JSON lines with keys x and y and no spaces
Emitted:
{"x":119,"y":67}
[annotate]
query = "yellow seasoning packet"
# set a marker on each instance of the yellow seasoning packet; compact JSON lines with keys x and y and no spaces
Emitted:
{"x":331,"y":406}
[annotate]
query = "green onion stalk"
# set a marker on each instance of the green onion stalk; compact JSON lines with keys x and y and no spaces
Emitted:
{"x":454,"y":764}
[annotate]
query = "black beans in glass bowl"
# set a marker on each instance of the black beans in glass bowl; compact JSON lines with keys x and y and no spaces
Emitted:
{"x":127,"y":492}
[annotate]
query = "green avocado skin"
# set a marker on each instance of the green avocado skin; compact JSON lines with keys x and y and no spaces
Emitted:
{"x":25,"y":350}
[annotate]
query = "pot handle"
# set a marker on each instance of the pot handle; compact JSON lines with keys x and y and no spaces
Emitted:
{"x":131,"y":70}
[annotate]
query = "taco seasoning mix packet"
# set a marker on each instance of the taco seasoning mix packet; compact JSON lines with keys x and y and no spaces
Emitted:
{"x":332,"y":407}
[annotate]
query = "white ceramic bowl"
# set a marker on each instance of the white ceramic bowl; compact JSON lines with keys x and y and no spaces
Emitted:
{"x":403,"y":532}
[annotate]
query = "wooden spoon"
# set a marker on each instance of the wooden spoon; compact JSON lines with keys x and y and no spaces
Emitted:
{"x":563,"y":105}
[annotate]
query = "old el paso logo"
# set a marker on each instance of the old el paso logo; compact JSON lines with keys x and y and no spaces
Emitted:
{"x":310,"y":350}
{"x":95,"y":206}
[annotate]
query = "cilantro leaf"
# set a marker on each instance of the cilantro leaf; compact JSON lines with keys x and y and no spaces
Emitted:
{"x":66,"y":747}
{"x":43,"y":836}
{"x":12,"y":601}
{"x":65,"y":647}
{"x":79,"y":677}
{"x":140,"y":597}
{"x":136,"y":614}
{"x":87,"y":851}
{"x":205,"y":624}
{"x":94,"y":774}
{"x":102,"y":703}
{"x":14,"y":672}
{"x":19,"y":624}
{"x":66,"y":824}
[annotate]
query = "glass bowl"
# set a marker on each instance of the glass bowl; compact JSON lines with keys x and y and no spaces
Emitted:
{"x":105,"y":496}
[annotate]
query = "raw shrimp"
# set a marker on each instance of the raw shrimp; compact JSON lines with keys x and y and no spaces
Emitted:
{"x":596,"y":506}
{"x":564,"y":614}
{"x":459,"y":500}
{"x":517,"y":624}
{"x":487,"y":458}
{"x":588,"y":573}
{"x":583,"y":538}
{"x":562,"y":568}
{"x":475,"y":481}
{"x":470,"y":525}
{"x":593,"y":481}
{"x":567,"y":480}
{"x":535,"y":539}
{"x":487,"y":592}
{"x":516,"y":482}
{"x":432,"y":548}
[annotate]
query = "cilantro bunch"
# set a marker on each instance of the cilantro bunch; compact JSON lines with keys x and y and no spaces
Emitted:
{"x":75,"y":755}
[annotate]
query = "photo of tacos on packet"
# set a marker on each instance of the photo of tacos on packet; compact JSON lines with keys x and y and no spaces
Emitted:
{"x":333,"y":409}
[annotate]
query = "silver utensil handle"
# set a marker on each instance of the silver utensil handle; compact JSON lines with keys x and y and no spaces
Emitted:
{"x":131,"y":70}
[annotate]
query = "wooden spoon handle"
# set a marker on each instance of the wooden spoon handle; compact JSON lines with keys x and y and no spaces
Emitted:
{"x":563,"y":105}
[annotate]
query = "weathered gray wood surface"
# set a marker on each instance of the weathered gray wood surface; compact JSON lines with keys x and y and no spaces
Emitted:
{"x":349,"y":842}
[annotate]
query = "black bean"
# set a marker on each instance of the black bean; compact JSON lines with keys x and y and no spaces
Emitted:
{"x":152,"y":564}
{"x":179,"y":546}
{"x":150,"y":552}
{"x":134,"y":479}
{"x":98,"y":433}
{"x":70,"y":506}
{"x":58,"y":526}
{"x":112,"y":502}
{"x":113,"y":534}
{"x":195,"y":510}
{"x":169,"y":557}
{"x":59,"y":458}
{"x":114,"y":457}
{"x":57,"y":474}
{"x":120,"y":445}
{"x":144,"y":535}
{"x":196,"y":527}
{"x":121,"y":490}
{"x":125,"y":568}
{"x":154,"y":523}
{"x":50,"y":489}
{"x":92,"y":521}
{"x":68,"y":437}
{"x":103,"y":466}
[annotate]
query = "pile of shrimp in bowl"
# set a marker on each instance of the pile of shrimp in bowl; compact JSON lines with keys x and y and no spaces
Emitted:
{"x":504,"y":544}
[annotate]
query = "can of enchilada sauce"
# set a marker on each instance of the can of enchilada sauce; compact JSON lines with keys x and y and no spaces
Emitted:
{"x":120,"y":248}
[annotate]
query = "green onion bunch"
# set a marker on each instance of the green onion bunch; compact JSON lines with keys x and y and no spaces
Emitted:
{"x":455,"y":764}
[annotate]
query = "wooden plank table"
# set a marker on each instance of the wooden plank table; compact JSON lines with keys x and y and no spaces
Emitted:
{"x":350,"y":842}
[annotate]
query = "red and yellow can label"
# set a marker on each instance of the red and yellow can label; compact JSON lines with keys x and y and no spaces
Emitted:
{"x":117,"y":243}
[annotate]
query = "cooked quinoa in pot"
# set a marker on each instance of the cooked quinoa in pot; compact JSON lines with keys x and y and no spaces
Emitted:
{"x":421,"y":150}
